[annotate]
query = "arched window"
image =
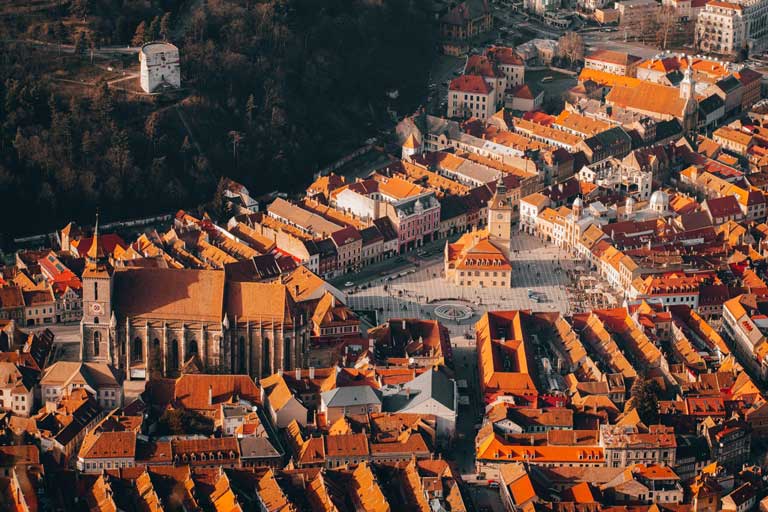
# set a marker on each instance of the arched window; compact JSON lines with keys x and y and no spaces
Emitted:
{"x":95,"y":319}
{"x":266,"y":367}
{"x":174,"y":354}
{"x":192,"y":347}
{"x":156,"y":355}
{"x":242,"y":367}
{"x":95,"y":290}
{"x":96,"y":342}
{"x":136,"y":350}
{"x":286,"y":353}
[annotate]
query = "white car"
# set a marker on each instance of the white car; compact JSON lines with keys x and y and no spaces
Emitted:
{"x":349,"y":284}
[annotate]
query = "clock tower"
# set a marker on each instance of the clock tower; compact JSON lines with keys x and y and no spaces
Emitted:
{"x":96,"y":327}
{"x":500,"y":210}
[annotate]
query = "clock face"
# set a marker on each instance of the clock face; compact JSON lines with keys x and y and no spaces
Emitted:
{"x":96,"y":308}
{"x":500,"y":216}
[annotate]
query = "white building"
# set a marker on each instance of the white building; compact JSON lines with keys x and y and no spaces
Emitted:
{"x":728,"y":27}
{"x":99,"y":379}
{"x":530,"y":208}
{"x":159,"y":66}
{"x":471,"y":96}
{"x":15,"y":394}
{"x":721,"y":28}
{"x":432,"y":392}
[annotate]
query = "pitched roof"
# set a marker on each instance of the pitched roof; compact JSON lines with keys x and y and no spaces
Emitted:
{"x":107,"y":445}
{"x":648,"y":97}
{"x":170,"y":294}
{"x":613,"y":57}
{"x":470,"y":84}
{"x":191,"y":390}
{"x":351,"y":395}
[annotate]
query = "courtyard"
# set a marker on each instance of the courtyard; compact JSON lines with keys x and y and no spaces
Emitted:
{"x":422,"y":292}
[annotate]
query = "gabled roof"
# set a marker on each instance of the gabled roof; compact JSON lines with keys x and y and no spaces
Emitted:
{"x":474,"y":84}
{"x":351,"y":395}
{"x":612,"y":57}
{"x":430,"y":385}
{"x":191,"y":390}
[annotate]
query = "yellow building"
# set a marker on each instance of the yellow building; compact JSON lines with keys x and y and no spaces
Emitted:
{"x":481,"y":258}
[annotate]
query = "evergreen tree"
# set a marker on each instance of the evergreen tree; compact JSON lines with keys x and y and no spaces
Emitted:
{"x":250,"y":107}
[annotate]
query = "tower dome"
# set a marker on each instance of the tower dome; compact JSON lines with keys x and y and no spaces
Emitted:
{"x":659,"y":201}
{"x":577,"y":207}
{"x":629,"y":205}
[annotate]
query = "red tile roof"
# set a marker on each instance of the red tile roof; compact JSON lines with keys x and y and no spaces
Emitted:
{"x":471,"y":84}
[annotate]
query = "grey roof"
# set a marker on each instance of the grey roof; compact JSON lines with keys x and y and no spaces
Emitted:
{"x":431,"y":384}
{"x":608,"y":139}
{"x":253,"y":447}
{"x":351,"y":395}
{"x":729,"y":84}
{"x":711,"y":104}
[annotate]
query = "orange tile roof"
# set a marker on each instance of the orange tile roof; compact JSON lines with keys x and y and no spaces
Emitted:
{"x":495,"y":448}
{"x":519,"y":484}
{"x":607,"y":79}
{"x":102,"y":445}
{"x":396,"y":187}
{"x":733,"y":135}
{"x":494,"y":351}
{"x":474,"y":251}
{"x":191,"y":390}
{"x":725,"y":5}
{"x":580,"y":493}
{"x":347,"y":445}
{"x":276,"y":390}
{"x":366,"y":491}
{"x":648,"y":97}
{"x":581,"y":124}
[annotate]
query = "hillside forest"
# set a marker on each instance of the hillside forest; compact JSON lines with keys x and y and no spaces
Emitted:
{"x":273,"y":90}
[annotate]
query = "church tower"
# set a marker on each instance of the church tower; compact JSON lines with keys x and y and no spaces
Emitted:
{"x":687,"y":84}
{"x":500,"y":217}
{"x":96,"y":327}
{"x":688,"y":93}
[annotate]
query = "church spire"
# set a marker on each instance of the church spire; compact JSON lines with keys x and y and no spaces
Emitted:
{"x":688,"y":84}
{"x":96,"y":252}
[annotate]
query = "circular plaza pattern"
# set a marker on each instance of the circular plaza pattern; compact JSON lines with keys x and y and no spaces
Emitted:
{"x":453,"y":311}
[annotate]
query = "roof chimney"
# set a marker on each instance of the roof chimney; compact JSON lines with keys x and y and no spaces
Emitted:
{"x":298,"y":373}
{"x":311,"y":372}
{"x":403,"y":323}
{"x":210,"y":394}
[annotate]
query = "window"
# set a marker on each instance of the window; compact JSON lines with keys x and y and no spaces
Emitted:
{"x":95,"y":290}
{"x":96,"y":342}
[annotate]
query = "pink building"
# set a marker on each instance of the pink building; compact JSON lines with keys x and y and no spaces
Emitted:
{"x":416,"y":220}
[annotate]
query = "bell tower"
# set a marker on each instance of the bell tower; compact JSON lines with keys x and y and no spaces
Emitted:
{"x":96,"y":329}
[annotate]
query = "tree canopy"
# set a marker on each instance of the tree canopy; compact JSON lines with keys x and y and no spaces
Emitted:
{"x":275,"y":90}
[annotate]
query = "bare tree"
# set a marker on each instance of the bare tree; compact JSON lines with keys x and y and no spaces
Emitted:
{"x":570,"y":46}
{"x":236,"y":138}
{"x":666,"y":19}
